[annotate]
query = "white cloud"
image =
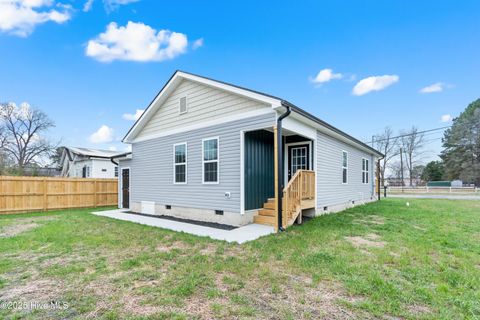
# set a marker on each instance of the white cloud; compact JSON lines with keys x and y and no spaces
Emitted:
{"x":110,"y":5}
{"x":446,"y":118}
{"x":197,"y":43}
{"x":436,"y":87}
{"x":374,"y":83}
{"x":20,"y":17}
{"x":104,"y":134}
{"x":112,"y":148}
{"x":87,"y":6}
{"x":326,"y":75}
{"x":136,"y":42}
{"x":133,"y":117}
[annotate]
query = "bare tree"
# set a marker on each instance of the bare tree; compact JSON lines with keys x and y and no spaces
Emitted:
{"x":412,"y":142}
{"x":21,"y":133}
{"x":387,"y":144}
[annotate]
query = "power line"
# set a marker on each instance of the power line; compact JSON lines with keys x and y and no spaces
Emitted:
{"x":408,"y":134}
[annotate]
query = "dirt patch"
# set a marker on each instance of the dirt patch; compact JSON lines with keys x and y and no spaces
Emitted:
{"x":419,"y":228}
{"x":16,"y":229}
{"x":418,"y":309}
{"x":371,"y":219}
{"x":21,"y":225}
{"x":395,"y":255}
{"x":209,"y":249}
{"x":303,"y":300}
{"x":179,"y":245}
{"x":34,"y":290}
{"x":370,"y":240}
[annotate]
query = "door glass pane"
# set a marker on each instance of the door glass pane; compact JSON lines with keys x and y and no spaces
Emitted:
{"x":299,"y":159}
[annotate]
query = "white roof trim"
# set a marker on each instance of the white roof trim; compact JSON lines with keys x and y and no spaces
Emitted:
{"x":173,"y":83}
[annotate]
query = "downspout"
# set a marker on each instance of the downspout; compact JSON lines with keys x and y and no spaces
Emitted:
{"x":115,"y":163}
{"x":280,"y":165}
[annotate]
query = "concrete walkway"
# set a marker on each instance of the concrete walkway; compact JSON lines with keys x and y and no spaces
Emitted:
{"x":240,"y":235}
{"x":434,"y":196}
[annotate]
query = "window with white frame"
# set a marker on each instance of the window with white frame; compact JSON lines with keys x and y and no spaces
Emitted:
{"x":182,"y":105}
{"x":344,"y":167}
{"x":365,"y":170}
{"x":210,"y":160}
{"x":180,"y":162}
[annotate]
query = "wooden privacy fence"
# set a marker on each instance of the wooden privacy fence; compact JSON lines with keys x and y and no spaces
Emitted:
{"x":27,"y":194}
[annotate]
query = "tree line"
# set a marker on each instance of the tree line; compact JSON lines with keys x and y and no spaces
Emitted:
{"x":460,"y":156}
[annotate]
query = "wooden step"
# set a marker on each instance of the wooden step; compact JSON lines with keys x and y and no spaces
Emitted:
{"x":269,"y":205}
{"x":266,"y":212}
{"x":271,"y":200}
{"x":270,"y":221}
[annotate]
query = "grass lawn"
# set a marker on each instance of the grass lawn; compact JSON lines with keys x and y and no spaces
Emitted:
{"x":383,"y":260}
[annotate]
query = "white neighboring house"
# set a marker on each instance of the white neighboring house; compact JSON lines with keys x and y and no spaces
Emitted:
{"x":88,"y":163}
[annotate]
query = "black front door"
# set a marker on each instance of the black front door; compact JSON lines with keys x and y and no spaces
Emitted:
{"x":298,"y":158}
{"x":125,"y":188}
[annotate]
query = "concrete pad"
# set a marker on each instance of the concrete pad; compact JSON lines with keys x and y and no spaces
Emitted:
{"x":240,"y":235}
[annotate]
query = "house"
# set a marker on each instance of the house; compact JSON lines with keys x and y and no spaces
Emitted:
{"x":212,"y":151}
{"x":88,"y":163}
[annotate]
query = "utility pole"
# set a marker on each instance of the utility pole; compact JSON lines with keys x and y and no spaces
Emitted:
{"x":401,"y":165}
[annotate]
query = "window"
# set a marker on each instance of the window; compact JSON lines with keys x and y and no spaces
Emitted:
{"x":365,"y":169}
{"x":116,"y":171}
{"x":344,"y":167}
{"x":210,"y":160}
{"x":180,"y":163}
{"x":85,"y":172}
{"x":182,"y":105}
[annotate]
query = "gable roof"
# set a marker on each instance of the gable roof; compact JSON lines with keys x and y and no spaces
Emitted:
{"x":95,"y":153}
{"x":274,"y":101}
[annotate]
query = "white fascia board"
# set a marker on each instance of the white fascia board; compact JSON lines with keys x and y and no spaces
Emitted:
{"x":151,"y":109}
{"x":173,"y":83}
{"x":297,"y":126}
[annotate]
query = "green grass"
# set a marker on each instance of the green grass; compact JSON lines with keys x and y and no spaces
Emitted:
{"x":380,"y":260}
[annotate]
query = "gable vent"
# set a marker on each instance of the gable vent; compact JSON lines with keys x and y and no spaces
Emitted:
{"x":183,"y":105}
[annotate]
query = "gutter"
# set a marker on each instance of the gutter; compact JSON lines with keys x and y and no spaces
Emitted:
{"x":280,"y":165}
{"x":119,"y":156}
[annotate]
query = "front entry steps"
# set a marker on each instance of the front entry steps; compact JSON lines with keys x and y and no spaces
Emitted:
{"x":266,"y":215}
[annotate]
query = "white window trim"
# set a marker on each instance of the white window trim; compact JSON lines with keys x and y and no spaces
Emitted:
{"x":218,"y":161}
{"x":366,"y":171}
{"x":345,"y":167}
{"x":186,"y":105}
{"x":175,"y":164}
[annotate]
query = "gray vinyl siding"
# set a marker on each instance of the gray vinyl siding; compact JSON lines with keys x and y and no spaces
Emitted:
{"x":204,"y":103}
{"x":330,"y":189}
{"x":152,"y":167}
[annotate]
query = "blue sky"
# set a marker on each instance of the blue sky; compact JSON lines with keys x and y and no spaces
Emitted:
{"x":54,"y":57}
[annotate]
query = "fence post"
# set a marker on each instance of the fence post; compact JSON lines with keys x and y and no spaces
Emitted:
{"x":45,"y":200}
{"x":95,"y":193}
